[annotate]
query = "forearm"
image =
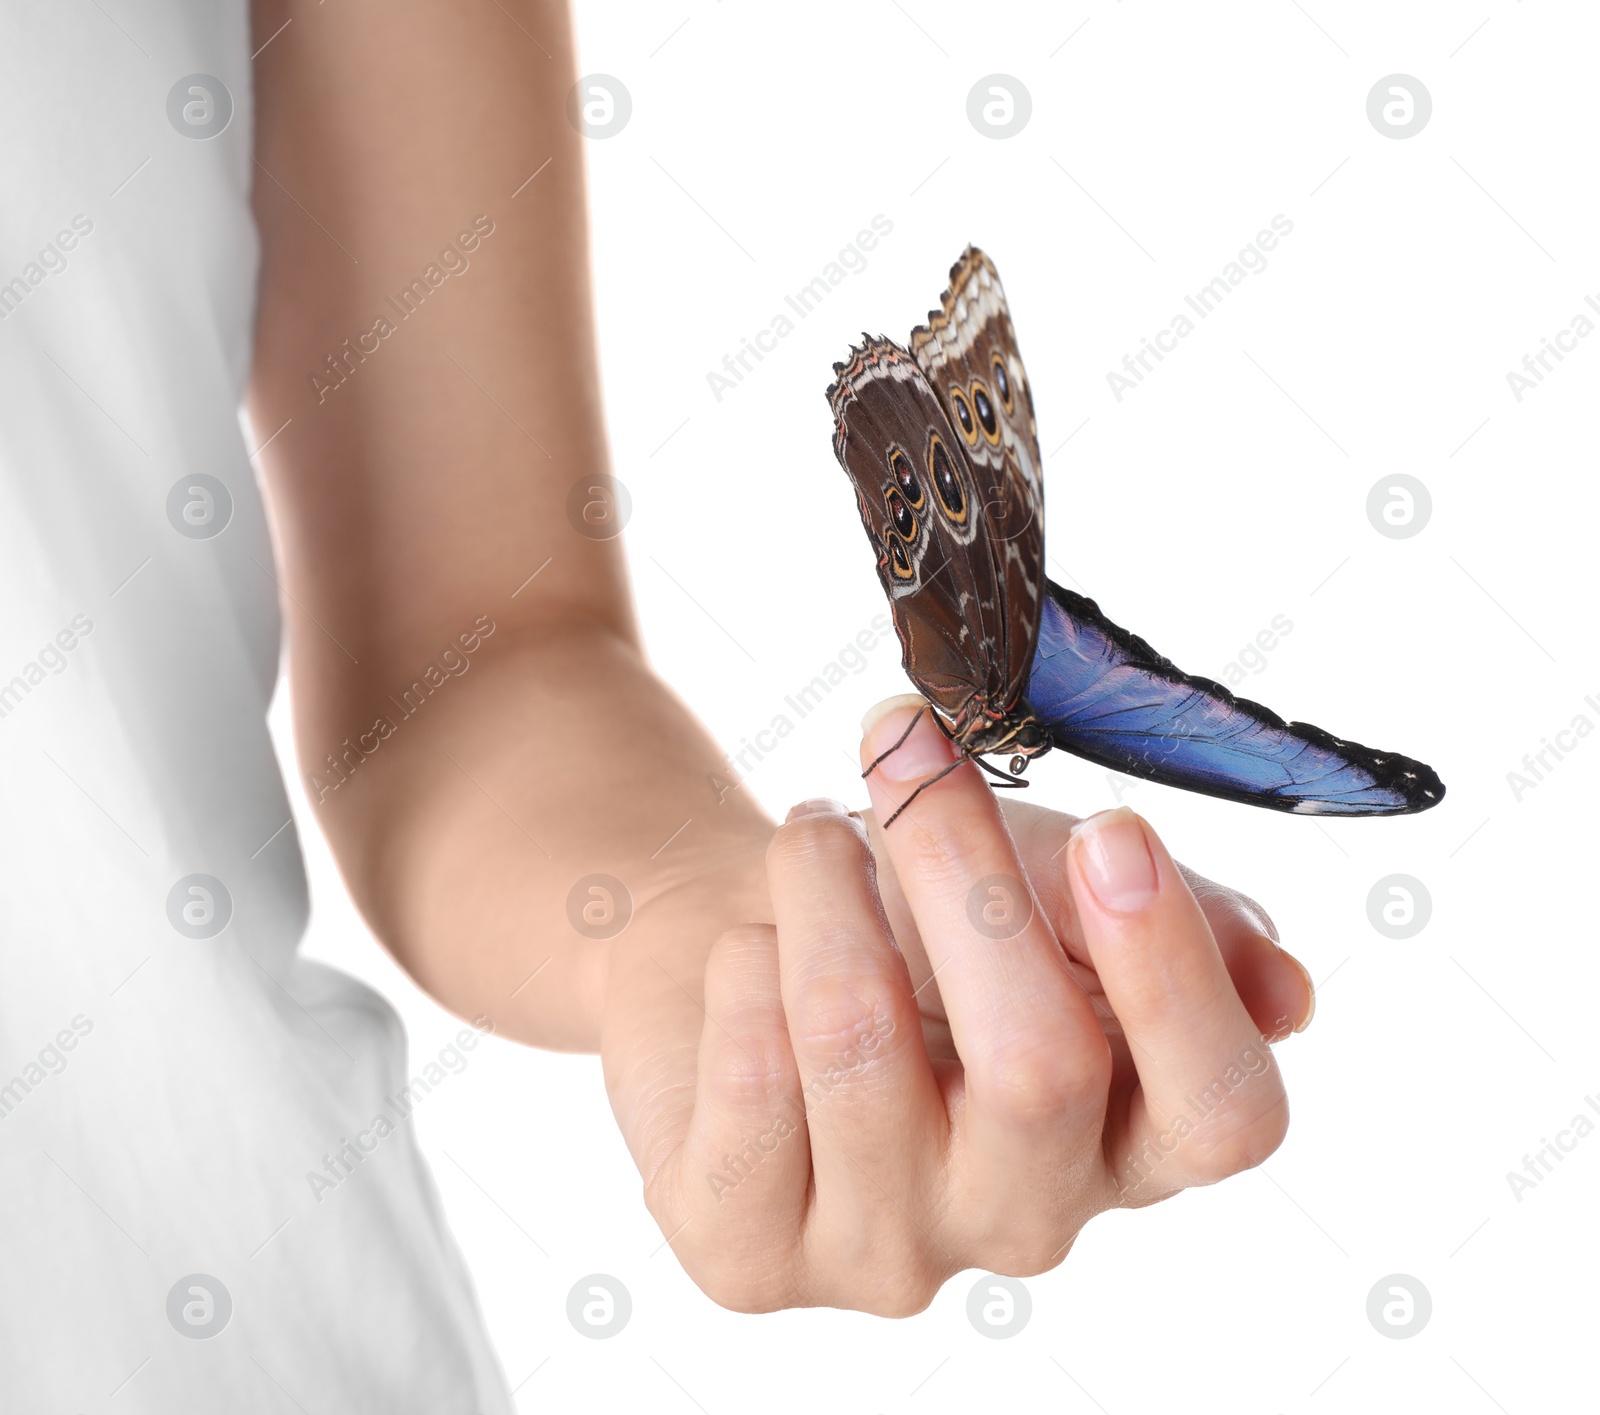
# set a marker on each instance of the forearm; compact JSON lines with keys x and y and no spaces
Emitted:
{"x":555,"y":757}
{"x":419,"y":484}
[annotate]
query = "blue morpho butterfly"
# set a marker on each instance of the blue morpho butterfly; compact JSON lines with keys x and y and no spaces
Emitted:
{"x":941,"y":444}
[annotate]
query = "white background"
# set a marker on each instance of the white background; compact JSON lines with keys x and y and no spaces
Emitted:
{"x":1229,"y":488}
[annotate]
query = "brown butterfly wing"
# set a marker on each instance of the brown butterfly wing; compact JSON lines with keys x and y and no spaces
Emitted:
{"x":968,"y":352}
{"x":918,"y":495}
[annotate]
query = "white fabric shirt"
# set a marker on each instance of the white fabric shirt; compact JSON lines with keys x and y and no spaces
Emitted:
{"x":170,"y":1069}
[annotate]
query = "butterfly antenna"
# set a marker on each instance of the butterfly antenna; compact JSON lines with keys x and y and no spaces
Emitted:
{"x":898,"y":743}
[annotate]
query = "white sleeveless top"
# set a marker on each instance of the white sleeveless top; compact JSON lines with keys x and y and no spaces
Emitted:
{"x":170,"y":1069}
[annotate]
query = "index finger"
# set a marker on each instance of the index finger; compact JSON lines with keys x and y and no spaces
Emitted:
{"x":1012,"y":1003}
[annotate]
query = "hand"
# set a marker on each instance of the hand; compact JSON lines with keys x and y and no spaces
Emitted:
{"x":890,"y":1085}
{"x":564,"y":757}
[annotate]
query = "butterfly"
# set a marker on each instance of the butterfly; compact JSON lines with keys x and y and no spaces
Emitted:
{"x":941,"y":443}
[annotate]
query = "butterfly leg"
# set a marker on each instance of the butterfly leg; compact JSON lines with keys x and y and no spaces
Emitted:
{"x":1007,"y":779}
{"x":898,"y":743}
{"x":923,"y":785}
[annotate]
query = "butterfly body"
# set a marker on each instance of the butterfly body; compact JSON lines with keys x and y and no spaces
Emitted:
{"x":941,"y":444}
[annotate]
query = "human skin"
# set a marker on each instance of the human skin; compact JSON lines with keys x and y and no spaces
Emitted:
{"x":999,"y":1104}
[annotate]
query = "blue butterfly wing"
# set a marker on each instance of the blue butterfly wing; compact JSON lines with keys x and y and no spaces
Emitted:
{"x":1106,"y":695}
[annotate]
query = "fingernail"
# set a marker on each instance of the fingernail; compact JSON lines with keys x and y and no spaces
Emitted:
{"x":1311,"y":991}
{"x":817,"y":806}
{"x":1114,"y":859}
{"x":924,"y":752}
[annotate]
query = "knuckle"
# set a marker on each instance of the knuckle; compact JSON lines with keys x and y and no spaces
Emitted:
{"x":738,"y":1289}
{"x":749,"y":1070}
{"x":749,"y":1058}
{"x":747,"y":1260}
{"x":907,"y":1298}
{"x":881,"y":1268}
{"x":1249,"y":907}
{"x":1039,"y":1078}
{"x":1224,"y":899}
{"x":1211,"y":1164}
{"x":1025,"y":1226}
{"x":1236,"y":1148}
{"x":842,"y":1019}
{"x":1029,"y":1254}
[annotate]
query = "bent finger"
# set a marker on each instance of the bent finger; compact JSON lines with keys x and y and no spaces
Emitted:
{"x":1273,"y":985}
{"x":875,"y":1114}
{"x":1210,"y":1101}
{"x":736,"y":1188}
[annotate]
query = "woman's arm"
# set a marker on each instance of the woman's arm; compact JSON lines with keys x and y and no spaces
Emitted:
{"x":437,"y":405}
